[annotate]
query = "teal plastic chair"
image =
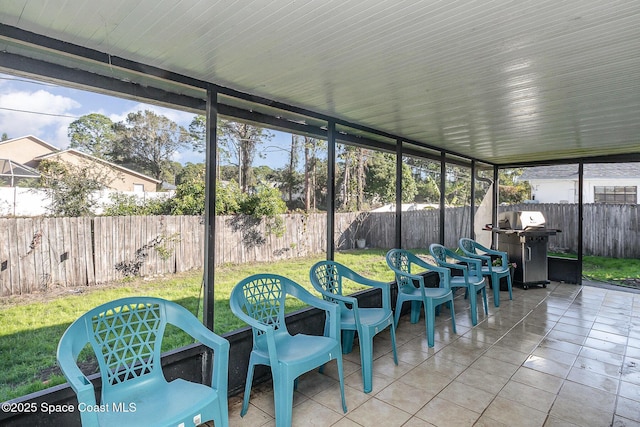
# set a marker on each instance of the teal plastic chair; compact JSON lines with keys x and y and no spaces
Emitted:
{"x":471,"y":279}
{"x":411,"y":287}
{"x":259,"y":300}
{"x":326,"y":278}
{"x":473,"y":249}
{"x":126,"y":337}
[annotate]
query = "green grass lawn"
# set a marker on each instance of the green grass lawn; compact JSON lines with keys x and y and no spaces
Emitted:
{"x":30,"y":326}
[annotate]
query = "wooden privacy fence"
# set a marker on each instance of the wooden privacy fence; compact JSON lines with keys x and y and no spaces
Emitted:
{"x":38,"y":253}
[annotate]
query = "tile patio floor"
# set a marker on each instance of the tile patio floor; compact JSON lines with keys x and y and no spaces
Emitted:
{"x":566,"y":355}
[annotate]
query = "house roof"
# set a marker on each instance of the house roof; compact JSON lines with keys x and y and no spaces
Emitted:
{"x":500,"y":81}
{"x":601,"y":170}
{"x":9,"y":168}
{"x":97,"y":160}
{"x":33,"y":139}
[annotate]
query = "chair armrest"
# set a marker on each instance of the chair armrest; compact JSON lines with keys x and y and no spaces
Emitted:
{"x":67,"y":356}
{"x":384,"y":287}
{"x":333,"y":310}
{"x":185,"y":320}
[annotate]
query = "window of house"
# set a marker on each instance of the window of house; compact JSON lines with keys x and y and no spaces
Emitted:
{"x":616,"y":194}
{"x":138,"y":188}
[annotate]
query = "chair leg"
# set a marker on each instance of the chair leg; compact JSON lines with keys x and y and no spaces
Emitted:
{"x":347,"y":341}
{"x":509,"y":285}
{"x":366,"y":360}
{"x":415,"y":311}
{"x":283,"y":400}
{"x":393,"y":344}
{"x":247,"y":388}
{"x":396,"y":314}
{"x":341,"y":376}
{"x":495,"y":283}
{"x":484,"y":300}
{"x":430,"y":319}
{"x":453,"y":316}
{"x":473,"y":296}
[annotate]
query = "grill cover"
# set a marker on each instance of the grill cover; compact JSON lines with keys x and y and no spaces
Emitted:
{"x":521,"y":220}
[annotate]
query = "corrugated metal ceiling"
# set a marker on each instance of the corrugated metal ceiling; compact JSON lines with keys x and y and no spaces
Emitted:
{"x":501,"y":81}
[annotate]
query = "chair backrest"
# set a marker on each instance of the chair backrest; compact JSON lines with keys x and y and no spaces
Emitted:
{"x":468,"y":246}
{"x":327,"y":276}
{"x":401,"y":262}
{"x":439,"y":253}
{"x":445,"y":257}
{"x":261,"y":297}
{"x":126,"y":337}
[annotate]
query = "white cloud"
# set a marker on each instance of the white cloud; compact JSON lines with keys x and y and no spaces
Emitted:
{"x":36,"y":113}
{"x":180,"y":117}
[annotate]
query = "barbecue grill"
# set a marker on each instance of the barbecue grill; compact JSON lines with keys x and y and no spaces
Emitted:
{"x":523,"y":235}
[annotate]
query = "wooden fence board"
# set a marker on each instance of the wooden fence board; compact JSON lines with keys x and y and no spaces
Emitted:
{"x":36,"y":253}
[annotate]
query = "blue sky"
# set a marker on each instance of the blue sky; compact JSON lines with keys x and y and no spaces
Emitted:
{"x":45,"y":110}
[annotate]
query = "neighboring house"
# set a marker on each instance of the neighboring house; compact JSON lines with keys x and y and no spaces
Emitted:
{"x":602,"y":183}
{"x":29,"y":151}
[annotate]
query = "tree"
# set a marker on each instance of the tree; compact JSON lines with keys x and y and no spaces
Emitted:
{"x":72,"y":188}
{"x":93,"y":134}
{"x":381,"y":179}
{"x":147,"y":142}
{"x":198,"y":132}
{"x":512,"y":190}
{"x":240,"y":142}
{"x":191,"y":172}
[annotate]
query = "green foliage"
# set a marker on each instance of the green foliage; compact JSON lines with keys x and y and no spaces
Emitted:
{"x":147,"y":142}
{"x":428,"y":191}
{"x":93,"y":134}
{"x":72,"y":188}
{"x":191,"y":172}
{"x":511,"y":190}
{"x":266,"y":203}
{"x":381,"y":179}
{"x":189,"y":199}
{"x":124,"y":204}
{"x":228,"y":197}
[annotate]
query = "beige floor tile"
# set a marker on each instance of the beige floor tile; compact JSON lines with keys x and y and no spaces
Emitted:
{"x":375,"y":413}
{"x":602,"y":356}
{"x":555,"y":355}
{"x":547,"y":366}
{"x":627,"y":408}
{"x":311,"y":413}
{"x":580,"y":413}
{"x":405,"y":397}
{"x":584,"y":372}
{"x":557,"y":422}
{"x":495,"y":367}
{"x":528,"y":396}
{"x":483,"y":381}
{"x":511,"y":413}
{"x":485,"y":421}
{"x":417,"y":422}
{"x":386,"y":366}
{"x":588,"y":396}
{"x":467,"y":396}
{"x":443,"y":413}
{"x":346,"y":422}
{"x":425,"y":380}
{"x":538,"y":379}
{"x":629,"y":390}
{"x":505,"y":354}
{"x":592,"y":379}
{"x":378,"y":381}
{"x":599,"y":344}
{"x":331,"y":398}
